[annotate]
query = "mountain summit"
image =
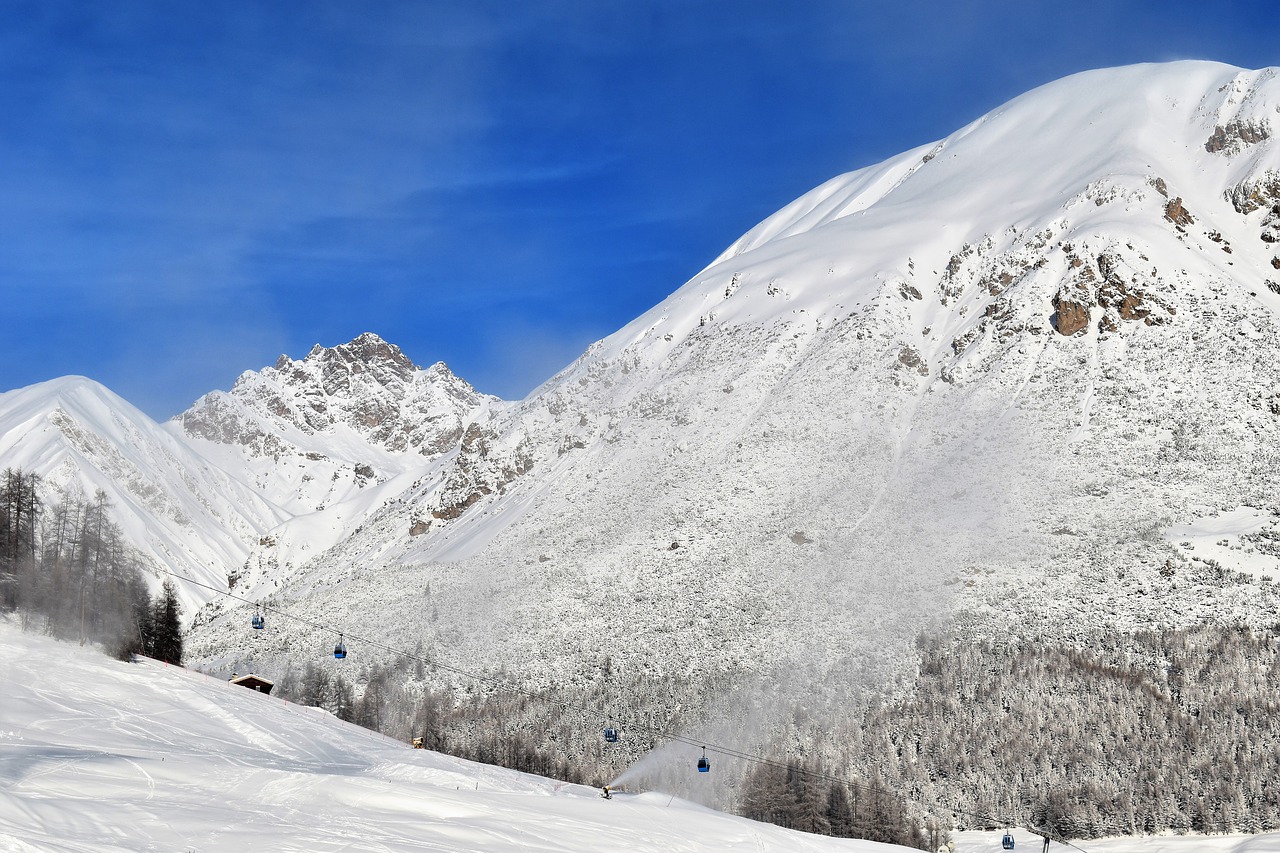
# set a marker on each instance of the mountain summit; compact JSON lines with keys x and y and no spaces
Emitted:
{"x":366,"y":388}
{"x":175,"y":509}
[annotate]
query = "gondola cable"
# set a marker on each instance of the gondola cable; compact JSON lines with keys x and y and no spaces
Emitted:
{"x":703,"y":764}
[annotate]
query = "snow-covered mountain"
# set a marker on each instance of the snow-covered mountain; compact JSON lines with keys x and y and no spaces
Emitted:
{"x":985,"y":377}
{"x":243,"y":479}
{"x":329,"y":436}
{"x":363,"y":406}
{"x":1017,"y":381}
{"x":178,"y":509}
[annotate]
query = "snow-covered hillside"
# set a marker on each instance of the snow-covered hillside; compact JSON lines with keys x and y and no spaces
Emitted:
{"x":180,"y":510}
{"x":99,"y":755}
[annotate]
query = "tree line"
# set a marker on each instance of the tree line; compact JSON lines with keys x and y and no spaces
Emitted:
{"x":65,"y":569}
{"x":804,"y":796}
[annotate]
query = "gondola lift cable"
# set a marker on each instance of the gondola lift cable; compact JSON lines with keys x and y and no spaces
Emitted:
{"x":703,"y":762}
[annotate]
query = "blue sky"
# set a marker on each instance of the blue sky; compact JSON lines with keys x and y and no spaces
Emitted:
{"x":188,"y":190}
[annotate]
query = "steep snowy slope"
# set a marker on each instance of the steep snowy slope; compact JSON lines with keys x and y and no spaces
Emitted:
{"x":177,"y":508}
{"x":981,"y":379}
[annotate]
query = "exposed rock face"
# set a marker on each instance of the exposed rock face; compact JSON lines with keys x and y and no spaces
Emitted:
{"x":340,"y":368}
{"x":1177,"y":214}
{"x":1069,"y":316}
{"x":1254,"y":195}
{"x":1130,"y":300}
{"x":1111,"y":285}
{"x":1236,"y":135}
{"x":484,"y":465}
{"x":910,"y":357}
{"x":1261,"y":194}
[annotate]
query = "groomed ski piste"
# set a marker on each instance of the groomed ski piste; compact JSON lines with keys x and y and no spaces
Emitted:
{"x":101,"y":755}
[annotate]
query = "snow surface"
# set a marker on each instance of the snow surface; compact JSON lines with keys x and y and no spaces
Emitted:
{"x":1026,"y":842}
{"x":1226,"y":537}
{"x":101,"y":756}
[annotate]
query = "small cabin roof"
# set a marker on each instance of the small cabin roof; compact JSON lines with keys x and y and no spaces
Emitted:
{"x":254,"y":682}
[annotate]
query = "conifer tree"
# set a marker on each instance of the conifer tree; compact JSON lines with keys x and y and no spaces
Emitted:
{"x":167,"y":626}
{"x":839,"y":812}
{"x":20,"y":508}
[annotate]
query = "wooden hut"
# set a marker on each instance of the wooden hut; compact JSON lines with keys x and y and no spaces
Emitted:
{"x":254,"y":682}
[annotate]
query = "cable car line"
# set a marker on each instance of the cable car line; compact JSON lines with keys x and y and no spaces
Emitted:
{"x":703,"y":764}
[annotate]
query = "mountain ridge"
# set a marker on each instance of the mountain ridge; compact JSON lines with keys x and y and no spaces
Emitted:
{"x":176,"y":508}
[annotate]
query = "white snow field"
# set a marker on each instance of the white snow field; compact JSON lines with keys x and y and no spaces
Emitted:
{"x":99,"y":755}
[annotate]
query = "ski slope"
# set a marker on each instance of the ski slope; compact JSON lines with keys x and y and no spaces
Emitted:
{"x":97,"y":755}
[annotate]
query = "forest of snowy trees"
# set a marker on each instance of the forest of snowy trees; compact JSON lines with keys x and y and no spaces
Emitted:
{"x":66,"y":570}
{"x":541,"y":733}
{"x":805,"y":797}
{"x":1155,"y":731}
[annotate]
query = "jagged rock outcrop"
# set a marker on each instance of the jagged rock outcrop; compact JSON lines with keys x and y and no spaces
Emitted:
{"x":483,"y":466}
{"x":1236,"y":134}
{"x":1260,"y":198}
{"x":1177,"y":213}
{"x":368,"y":385}
{"x":1069,"y":315}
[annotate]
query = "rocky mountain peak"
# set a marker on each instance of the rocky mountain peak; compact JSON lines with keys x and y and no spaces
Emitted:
{"x":367,"y":385}
{"x":367,"y":350}
{"x":368,"y":356}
